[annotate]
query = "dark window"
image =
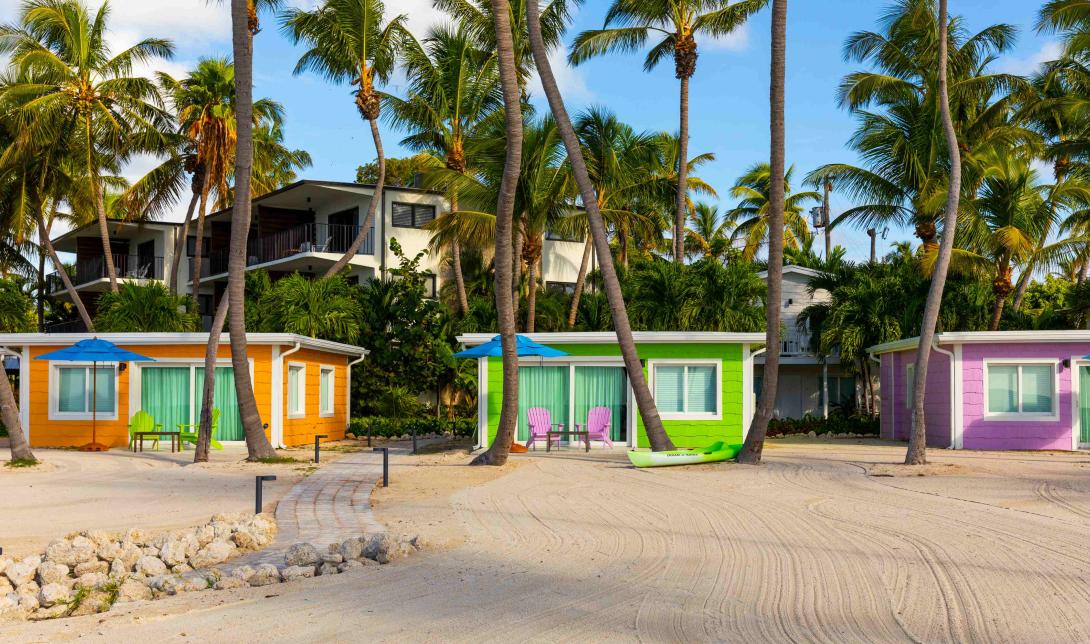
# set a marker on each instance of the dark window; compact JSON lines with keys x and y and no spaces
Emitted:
{"x":561,"y":287}
{"x":429,"y":285}
{"x":555,"y":236}
{"x":206,"y":304}
{"x":191,"y":246}
{"x":412,"y":215}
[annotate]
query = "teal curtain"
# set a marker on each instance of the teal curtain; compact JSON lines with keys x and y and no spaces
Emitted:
{"x":701,"y":392}
{"x":72,"y":382}
{"x":1002,"y":389}
{"x":670,"y":388}
{"x":1037,"y":388}
{"x":223,"y":399}
{"x":542,"y":387}
{"x":105,"y":390}
{"x":602,"y":387}
{"x":1084,"y":405}
{"x":164,"y":393}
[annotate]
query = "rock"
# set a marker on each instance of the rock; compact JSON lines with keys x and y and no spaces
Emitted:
{"x":301,"y":554}
{"x":350,"y":565}
{"x":150,"y":566}
{"x":5,"y":561}
{"x":812,"y":434}
{"x":91,"y":566}
{"x":194,"y":581}
{"x":28,"y":602}
{"x":229,"y":583}
{"x":248,"y":540}
{"x":291,"y":573}
{"x":243,"y":572}
{"x":418,"y":543}
{"x":351,"y":549}
{"x":382,"y":548}
{"x":22,"y":571}
{"x":83,"y":549}
{"x":109,"y":551}
{"x":5,"y":587}
{"x":118,"y":569}
{"x":181,"y":568}
{"x":136,"y":536}
{"x":332,"y":558}
{"x":173,"y":552}
{"x":130,"y":554}
{"x":53,"y":612}
{"x":223,"y":529}
{"x":51,"y":573}
{"x":9,"y":602}
{"x":150,"y":551}
{"x":29,"y":588}
{"x":264,"y":575}
{"x":52,"y":594}
{"x":328,"y":568}
{"x":205,"y":535}
{"x":93,"y":580}
{"x":214,"y":553}
{"x":97,"y":601}
{"x":98,"y":537}
{"x":132,"y":590}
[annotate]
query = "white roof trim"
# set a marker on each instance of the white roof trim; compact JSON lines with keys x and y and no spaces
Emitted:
{"x":792,"y":268}
{"x":974,"y":337}
{"x":151,"y":339}
{"x":607,"y":337}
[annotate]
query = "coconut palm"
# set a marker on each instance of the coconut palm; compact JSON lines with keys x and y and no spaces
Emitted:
{"x":1071,"y":18}
{"x":709,"y":234}
{"x":452,"y":89}
{"x":319,"y":308}
{"x":753,"y":445}
{"x":16,"y":316}
{"x":675,"y":25}
{"x":754,"y":190}
{"x":146,"y":308}
{"x":83,"y":87}
{"x":348,"y":43}
{"x":275,"y":164}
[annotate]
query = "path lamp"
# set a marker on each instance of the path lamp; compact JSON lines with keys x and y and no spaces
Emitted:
{"x":257,"y":490}
{"x":385,"y":465}
{"x":318,"y":441}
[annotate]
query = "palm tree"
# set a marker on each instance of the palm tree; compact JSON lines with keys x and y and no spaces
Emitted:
{"x":497,"y":453}
{"x":275,"y":164}
{"x":753,"y":445}
{"x":16,"y":316}
{"x":656,"y":433}
{"x":348,"y":42}
{"x":146,"y":308}
{"x":709,"y":234}
{"x":452,"y":89}
{"x":320,"y":308}
{"x":81,"y":86}
{"x":917,"y":441}
{"x":754,"y":190}
{"x":628,"y":26}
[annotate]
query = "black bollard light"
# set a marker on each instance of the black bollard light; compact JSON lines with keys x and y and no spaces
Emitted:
{"x":257,"y":490}
{"x":318,"y":441}
{"x":414,"y":438}
{"x":385,"y":465}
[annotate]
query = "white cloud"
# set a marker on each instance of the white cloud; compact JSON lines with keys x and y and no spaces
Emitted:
{"x":570,"y":81}
{"x":736,"y":40}
{"x":1050,"y":50}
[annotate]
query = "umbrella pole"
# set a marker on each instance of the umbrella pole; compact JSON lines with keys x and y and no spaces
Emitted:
{"x":94,"y":445}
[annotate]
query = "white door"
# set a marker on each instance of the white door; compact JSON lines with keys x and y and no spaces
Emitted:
{"x":788,"y":396}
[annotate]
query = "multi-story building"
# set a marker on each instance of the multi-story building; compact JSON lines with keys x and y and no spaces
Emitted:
{"x":304,"y":227}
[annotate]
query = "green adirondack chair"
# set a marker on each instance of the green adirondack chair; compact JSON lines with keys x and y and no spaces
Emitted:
{"x":189,"y":431}
{"x":142,"y":421}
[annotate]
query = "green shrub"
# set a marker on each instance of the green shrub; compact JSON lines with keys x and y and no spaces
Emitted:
{"x":835,"y":424}
{"x":380,"y":426}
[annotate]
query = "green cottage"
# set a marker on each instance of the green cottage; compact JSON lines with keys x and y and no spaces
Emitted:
{"x":702,"y":384}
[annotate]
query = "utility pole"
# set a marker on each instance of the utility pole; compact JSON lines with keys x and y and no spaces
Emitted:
{"x":873,"y":232}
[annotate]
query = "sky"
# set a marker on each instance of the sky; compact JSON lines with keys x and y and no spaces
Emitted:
{"x":728,"y":95}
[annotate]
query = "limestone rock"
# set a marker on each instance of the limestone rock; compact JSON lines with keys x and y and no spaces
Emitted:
{"x":109,"y":551}
{"x":301,"y":554}
{"x":91,"y":566}
{"x":132,"y":590}
{"x":5,"y":561}
{"x":130,"y":554}
{"x":52,"y":573}
{"x":214,"y":553}
{"x":83,"y":549}
{"x":97,"y":601}
{"x":28,"y":602}
{"x":9,"y":602}
{"x":264,"y":575}
{"x":205,"y":535}
{"x":351,"y":549}
{"x":93,"y":580}
{"x":118,"y":569}
{"x":292,"y":573}
{"x":418,"y":543}
{"x":332,"y":558}
{"x":53,"y":612}
{"x":52,"y":594}
{"x":247,"y":540}
{"x":173,"y":552}
{"x":5,"y":587}
{"x":351,"y":564}
{"x":229,"y":583}
{"x":181,"y":568}
{"x":382,"y":548}
{"x":328,"y":568}
{"x":151,"y":566}
{"x":22,"y":571}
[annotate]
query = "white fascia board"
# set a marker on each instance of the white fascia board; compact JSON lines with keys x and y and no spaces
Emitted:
{"x":606,"y":337}
{"x":990,"y":337}
{"x":153,"y":339}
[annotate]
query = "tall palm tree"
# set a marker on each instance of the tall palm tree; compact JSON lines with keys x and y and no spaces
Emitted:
{"x":275,"y":164}
{"x":753,"y":445}
{"x":709,"y":234}
{"x":16,"y":316}
{"x":675,"y":24}
{"x":917,"y":441}
{"x":348,"y":43}
{"x":497,"y":452}
{"x":656,"y":433}
{"x":754,"y":190}
{"x":82,"y":86}
{"x":453,"y":88}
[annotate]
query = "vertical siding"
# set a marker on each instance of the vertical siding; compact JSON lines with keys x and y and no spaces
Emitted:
{"x":936,"y":399}
{"x":301,"y":431}
{"x":887,"y":376}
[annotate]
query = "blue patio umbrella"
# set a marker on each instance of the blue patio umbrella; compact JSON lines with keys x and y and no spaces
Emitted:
{"x":524,"y":347}
{"x":94,"y":351}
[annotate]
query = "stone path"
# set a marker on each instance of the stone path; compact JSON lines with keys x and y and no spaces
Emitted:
{"x":330,"y":505}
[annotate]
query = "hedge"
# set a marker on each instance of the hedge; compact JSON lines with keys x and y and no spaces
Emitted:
{"x":394,"y":427}
{"x":835,"y":424}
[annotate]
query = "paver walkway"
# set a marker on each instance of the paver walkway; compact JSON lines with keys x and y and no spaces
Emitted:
{"x":329,"y":506}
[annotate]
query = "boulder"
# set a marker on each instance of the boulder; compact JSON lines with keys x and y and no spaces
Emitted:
{"x":109,"y":551}
{"x":301,"y":554}
{"x":418,"y":543}
{"x":118,"y":569}
{"x":332,"y":558}
{"x":246,"y":539}
{"x":812,"y":434}
{"x":9,"y":602}
{"x":264,"y":575}
{"x":91,"y":566}
{"x":351,"y":564}
{"x":93,"y":580}
{"x":150,"y":566}
{"x":28,"y":602}
{"x":22,"y":571}
{"x":52,"y":573}
{"x":173,"y":552}
{"x":214,"y":553}
{"x":328,"y":568}
{"x":136,"y":536}
{"x":52,"y":594}
{"x":130,"y":554}
{"x":132,"y":590}
{"x":83,"y":549}
{"x":181,"y":568}
{"x":229,"y":583}
{"x":96,"y":601}
{"x":205,"y":534}
{"x":351,"y":549}
{"x":5,"y":587}
{"x":53,"y":612}
{"x":291,"y":573}
{"x":29,"y":588}
{"x":5,"y":561}
{"x":243,"y":572}
{"x":98,"y":537}
{"x":382,"y":548}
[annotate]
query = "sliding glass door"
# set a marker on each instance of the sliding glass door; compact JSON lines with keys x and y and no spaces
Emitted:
{"x":602,"y":387}
{"x":224,"y":399}
{"x":172,"y":395}
{"x":546,"y":387}
{"x":570,"y":391}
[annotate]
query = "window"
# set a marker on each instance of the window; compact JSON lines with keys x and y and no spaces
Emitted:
{"x":191,"y":246}
{"x":412,"y":215}
{"x":325,"y":396}
{"x":910,"y":381}
{"x":568,"y":288}
{"x":841,"y":391}
{"x":429,"y":285}
{"x":552,"y":235}
{"x":687,"y":390}
{"x":297,"y":388}
{"x":78,"y":394}
{"x":1020,"y":389}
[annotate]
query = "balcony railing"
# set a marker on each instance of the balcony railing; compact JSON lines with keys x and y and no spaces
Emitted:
{"x":91,"y":269}
{"x":795,"y":342}
{"x":304,"y":238}
{"x":71,"y":326}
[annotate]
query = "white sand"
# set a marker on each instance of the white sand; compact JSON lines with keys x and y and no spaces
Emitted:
{"x":808,"y":547}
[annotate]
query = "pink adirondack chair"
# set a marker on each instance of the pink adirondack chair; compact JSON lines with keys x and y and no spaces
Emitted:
{"x":598,"y":425}
{"x":540,"y":422}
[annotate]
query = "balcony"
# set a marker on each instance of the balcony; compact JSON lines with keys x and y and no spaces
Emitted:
{"x":304,"y":238}
{"x":92,"y":269}
{"x":795,"y":342}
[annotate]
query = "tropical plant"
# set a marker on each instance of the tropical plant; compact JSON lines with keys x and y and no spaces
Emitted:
{"x":754,"y":190}
{"x":676,"y":24}
{"x":404,"y":172}
{"x":16,"y":316}
{"x":323,"y":308}
{"x":709,"y":234}
{"x":145,"y":308}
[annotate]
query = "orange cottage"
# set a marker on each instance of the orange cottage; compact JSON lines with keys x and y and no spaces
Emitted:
{"x":302,"y":386}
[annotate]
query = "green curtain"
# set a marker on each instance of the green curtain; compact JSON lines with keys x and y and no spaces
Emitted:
{"x":223,"y":399}
{"x":602,"y":387}
{"x":1084,"y":405}
{"x":542,"y":387}
{"x":164,"y":393}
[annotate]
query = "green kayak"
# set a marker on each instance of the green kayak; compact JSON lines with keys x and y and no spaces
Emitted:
{"x":717,"y":451}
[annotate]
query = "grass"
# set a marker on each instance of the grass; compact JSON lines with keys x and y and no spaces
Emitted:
{"x":77,"y":600}
{"x":278,"y":460}
{"x":22,"y":462}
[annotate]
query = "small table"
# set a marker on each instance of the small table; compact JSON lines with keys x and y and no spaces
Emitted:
{"x":560,"y":432}
{"x":175,"y":439}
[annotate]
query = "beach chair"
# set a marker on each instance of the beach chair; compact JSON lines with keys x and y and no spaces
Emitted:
{"x":189,"y":432}
{"x":598,"y":425}
{"x":142,"y":421}
{"x":539,"y":424}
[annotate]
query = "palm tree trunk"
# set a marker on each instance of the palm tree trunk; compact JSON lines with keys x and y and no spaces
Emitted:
{"x":257,"y":444}
{"x":1024,"y":278}
{"x":827,"y":186}
{"x":376,"y":199}
{"x":456,"y":260}
{"x":500,"y":448}
{"x":917,"y":440}
{"x":43,"y":235}
{"x":1084,"y":271}
{"x":198,"y":246}
{"x":40,"y":303}
{"x":9,"y":413}
{"x":531,"y":295}
{"x":656,"y":433}
{"x":208,"y":392}
{"x":179,"y":244}
{"x":516,"y":267}
{"x":100,"y":210}
{"x":997,"y":312}
{"x":584,"y":266}
{"x":682,"y":174}
{"x":753,"y":446}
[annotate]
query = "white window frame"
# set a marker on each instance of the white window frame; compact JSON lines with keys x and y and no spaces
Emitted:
{"x":302,"y":411}
{"x":685,"y":415}
{"x":323,"y":411}
{"x":910,"y":382}
{"x":55,"y":390}
{"x":1049,"y":416}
